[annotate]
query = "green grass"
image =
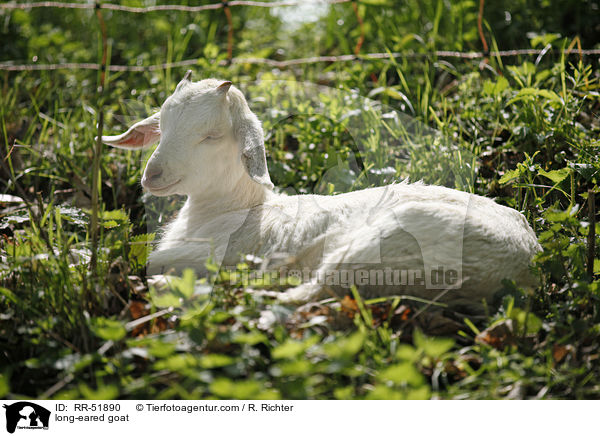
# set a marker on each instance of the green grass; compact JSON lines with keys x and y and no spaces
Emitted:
{"x":525,"y":133}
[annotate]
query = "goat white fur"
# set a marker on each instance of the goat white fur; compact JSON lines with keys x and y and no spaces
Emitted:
{"x":212,"y":151}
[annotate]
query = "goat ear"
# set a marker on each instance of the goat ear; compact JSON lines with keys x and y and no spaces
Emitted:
{"x":140,"y":135}
{"x":185,"y":81}
{"x":224,"y":87}
{"x":249,"y":134}
{"x":253,"y":158}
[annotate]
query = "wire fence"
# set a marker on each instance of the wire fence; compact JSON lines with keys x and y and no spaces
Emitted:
{"x":8,"y":66}
{"x":226,"y":5}
{"x":146,"y":9}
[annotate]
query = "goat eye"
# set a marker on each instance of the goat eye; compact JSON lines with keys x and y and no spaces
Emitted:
{"x":212,"y":136}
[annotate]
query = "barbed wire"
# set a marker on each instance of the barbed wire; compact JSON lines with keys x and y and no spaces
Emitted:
{"x":225,"y":5}
{"x":11,"y":66}
{"x":146,"y":9}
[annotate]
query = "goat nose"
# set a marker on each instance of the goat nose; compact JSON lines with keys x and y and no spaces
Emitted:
{"x":153,"y":173}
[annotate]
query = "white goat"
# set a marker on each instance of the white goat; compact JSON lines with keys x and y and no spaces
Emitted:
{"x":392,"y":240}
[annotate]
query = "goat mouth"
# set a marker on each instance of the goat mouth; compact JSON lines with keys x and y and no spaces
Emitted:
{"x":162,"y":189}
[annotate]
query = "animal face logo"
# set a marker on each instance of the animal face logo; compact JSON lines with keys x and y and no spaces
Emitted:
{"x":24,"y":414}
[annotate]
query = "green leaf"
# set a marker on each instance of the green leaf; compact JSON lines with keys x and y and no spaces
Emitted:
{"x":344,"y":393}
{"x":251,"y":338}
{"x":293,"y":367}
{"x":9,"y":294}
{"x":433,"y":347}
{"x":176,"y":363}
{"x":382,"y":392}
{"x":544,"y":40}
{"x":4,"y":386}
{"x":107,"y":329}
{"x":161,"y":349}
{"x":509,"y":176}
{"x":140,"y":249}
{"x":289,"y":349}
{"x":526,"y":93}
{"x":495,"y":88}
{"x":292,"y":348}
{"x":556,"y":176}
{"x":527,"y":322}
{"x":114,"y":218}
{"x":345,"y":347}
{"x":82,"y":363}
{"x":407,"y":352}
{"x":215,"y":360}
{"x":168,"y":298}
{"x":239,"y":390}
{"x":219,"y":316}
{"x":185,"y":285}
{"x":420,"y":393}
{"x":179,"y":288}
{"x":557,"y":216}
{"x":402,"y":373}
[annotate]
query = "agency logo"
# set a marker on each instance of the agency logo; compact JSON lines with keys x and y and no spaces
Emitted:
{"x":26,"y":415}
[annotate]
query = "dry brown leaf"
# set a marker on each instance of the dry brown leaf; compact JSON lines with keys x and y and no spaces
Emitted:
{"x":159,"y":325}
{"x":137,"y":309}
{"x":559,"y":352}
{"x":498,"y":336}
{"x":403,"y":312}
{"x":349,"y":306}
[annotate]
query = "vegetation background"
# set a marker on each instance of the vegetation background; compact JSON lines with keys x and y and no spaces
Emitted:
{"x":82,"y":323}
